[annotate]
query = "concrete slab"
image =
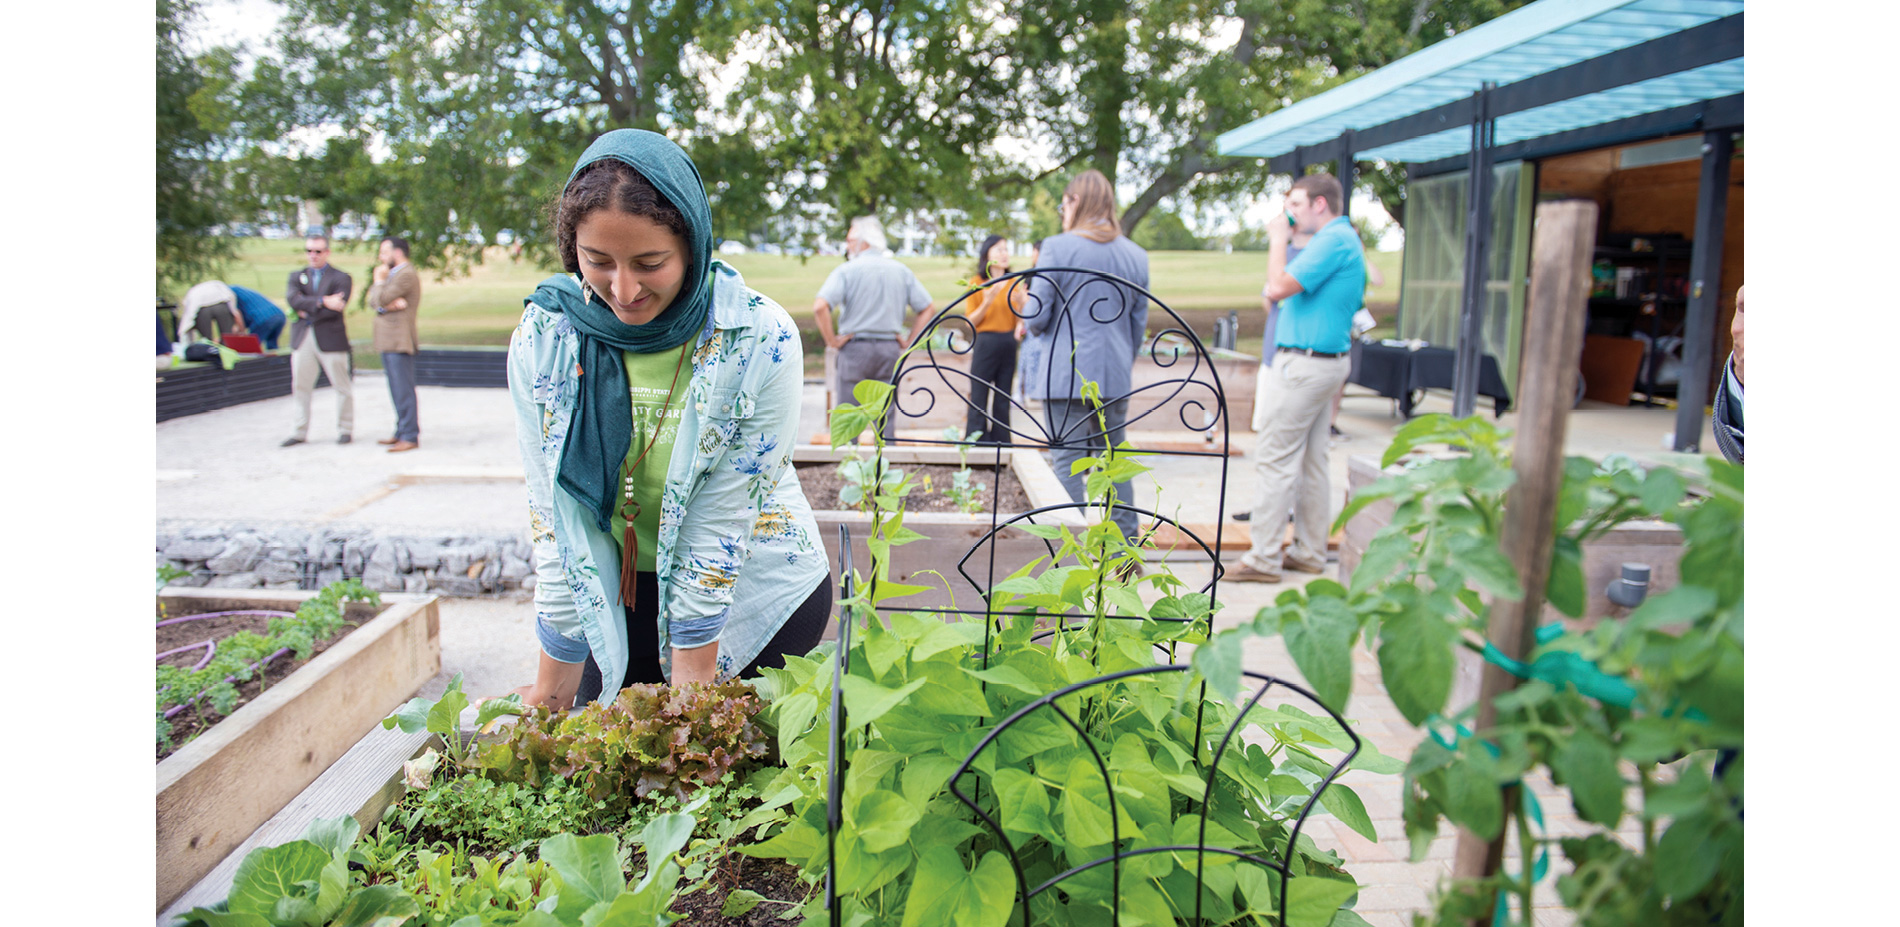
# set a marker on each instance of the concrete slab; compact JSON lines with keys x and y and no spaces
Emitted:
{"x":241,"y":473}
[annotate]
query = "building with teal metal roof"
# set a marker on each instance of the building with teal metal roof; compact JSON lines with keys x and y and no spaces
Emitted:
{"x":1635,"y":103}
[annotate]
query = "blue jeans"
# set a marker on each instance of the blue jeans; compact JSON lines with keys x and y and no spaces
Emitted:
{"x":400,"y":370}
{"x":1074,"y":434}
{"x":267,"y":331}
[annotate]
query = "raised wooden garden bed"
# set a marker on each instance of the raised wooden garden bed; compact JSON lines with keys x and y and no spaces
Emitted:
{"x":949,"y":535}
{"x":217,"y":789}
{"x":1656,"y":543}
{"x":362,"y":783}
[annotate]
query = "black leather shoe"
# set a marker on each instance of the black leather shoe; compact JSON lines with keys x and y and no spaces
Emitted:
{"x":342,"y":439}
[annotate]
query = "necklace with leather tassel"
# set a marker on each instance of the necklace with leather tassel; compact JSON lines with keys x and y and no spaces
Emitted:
{"x":629,"y":506}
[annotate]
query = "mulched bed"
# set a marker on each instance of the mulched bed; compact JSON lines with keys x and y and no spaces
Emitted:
{"x":187,"y":724}
{"x":773,"y":878}
{"x":821,"y":484}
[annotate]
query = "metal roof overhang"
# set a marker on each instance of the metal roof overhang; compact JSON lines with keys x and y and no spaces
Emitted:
{"x":1557,"y":69}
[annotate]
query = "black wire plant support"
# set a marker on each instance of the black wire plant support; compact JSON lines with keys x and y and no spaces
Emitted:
{"x":1072,"y":306}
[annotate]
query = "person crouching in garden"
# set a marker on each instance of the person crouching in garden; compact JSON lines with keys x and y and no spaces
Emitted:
{"x":656,"y":403}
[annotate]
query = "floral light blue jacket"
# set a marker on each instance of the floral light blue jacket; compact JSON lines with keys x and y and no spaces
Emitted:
{"x":738,"y":547}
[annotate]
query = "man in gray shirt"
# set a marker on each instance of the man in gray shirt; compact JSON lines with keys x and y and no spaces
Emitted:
{"x":872,"y":292}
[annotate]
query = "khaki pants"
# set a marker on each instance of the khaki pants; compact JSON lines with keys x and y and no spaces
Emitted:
{"x":305,"y":361}
{"x":1297,"y":404}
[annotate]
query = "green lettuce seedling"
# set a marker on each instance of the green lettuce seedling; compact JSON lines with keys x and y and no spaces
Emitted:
{"x":443,"y":717}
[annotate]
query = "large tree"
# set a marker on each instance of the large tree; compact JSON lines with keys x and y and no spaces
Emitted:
{"x":870,"y":106}
{"x":192,"y":193}
{"x":1141,"y":90}
{"x":839,"y":107}
{"x":798,"y":112}
{"x":478,"y":109}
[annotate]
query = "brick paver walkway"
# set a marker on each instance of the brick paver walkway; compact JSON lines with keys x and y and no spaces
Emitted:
{"x":1391,"y":886}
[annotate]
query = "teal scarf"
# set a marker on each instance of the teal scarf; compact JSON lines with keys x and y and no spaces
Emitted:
{"x":601,"y":429}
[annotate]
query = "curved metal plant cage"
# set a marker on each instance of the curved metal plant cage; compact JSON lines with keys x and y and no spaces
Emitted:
{"x":1200,"y":848}
{"x":1070,"y":306}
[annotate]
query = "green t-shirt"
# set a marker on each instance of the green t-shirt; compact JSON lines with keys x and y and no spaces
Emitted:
{"x":649,"y":376}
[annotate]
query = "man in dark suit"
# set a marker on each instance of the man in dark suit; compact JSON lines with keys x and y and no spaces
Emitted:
{"x":318,"y":339}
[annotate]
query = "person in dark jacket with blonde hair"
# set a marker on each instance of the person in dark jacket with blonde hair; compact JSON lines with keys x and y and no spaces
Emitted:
{"x":1094,"y":328}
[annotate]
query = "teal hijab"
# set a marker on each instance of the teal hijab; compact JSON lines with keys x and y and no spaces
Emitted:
{"x":601,"y":429}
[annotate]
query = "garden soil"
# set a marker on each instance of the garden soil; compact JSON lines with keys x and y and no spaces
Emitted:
{"x":188,"y":724}
{"x":771,"y":878}
{"x":821,"y":484}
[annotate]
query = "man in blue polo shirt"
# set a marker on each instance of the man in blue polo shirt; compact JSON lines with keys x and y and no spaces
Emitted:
{"x":1318,"y":292}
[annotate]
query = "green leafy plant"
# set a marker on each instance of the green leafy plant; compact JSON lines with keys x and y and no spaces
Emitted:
{"x":921,"y":694}
{"x":728,"y":813}
{"x":866,"y":480}
{"x":650,"y":739}
{"x":964,"y":491}
{"x":304,"y":883}
{"x":167,"y":573}
{"x":234,"y":658}
{"x":577,"y":882}
{"x":454,"y":888}
{"x":967,"y":493}
{"x":595,"y":894}
{"x":500,"y":815}
{"x":1659,"y":692}
{"x":442,"y":717}
{"x":962,"y":441}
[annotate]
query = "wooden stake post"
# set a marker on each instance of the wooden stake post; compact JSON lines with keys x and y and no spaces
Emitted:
{"x":1553,"y":339}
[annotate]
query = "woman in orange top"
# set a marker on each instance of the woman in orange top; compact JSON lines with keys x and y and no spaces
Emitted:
{"x":993,"y":357}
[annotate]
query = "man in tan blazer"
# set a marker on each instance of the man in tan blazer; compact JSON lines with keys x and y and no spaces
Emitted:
{"x":395,"y":294}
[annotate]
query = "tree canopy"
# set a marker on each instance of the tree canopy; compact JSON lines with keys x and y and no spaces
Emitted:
{"x":451,"y":121}
{"x":191,"y":193}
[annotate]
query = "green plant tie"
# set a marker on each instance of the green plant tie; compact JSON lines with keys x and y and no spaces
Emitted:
{"x":1562,"y":667}
{"x":1532,"y":808}
{"x":1539,"y":868}
{"x":1463,"y":733}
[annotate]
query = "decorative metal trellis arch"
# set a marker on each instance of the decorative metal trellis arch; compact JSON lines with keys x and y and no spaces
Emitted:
{"x":1070,"y":306}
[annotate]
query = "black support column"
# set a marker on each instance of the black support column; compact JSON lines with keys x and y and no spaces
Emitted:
{"x":1348,"y":172}
{"x":1705,"y":289}
{"x":1470,"y":352}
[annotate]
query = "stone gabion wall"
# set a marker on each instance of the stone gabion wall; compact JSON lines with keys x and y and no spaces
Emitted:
{"x":310,"y":557}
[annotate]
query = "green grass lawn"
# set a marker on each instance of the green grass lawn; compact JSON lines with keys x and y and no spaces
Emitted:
{"x":482,"y":306}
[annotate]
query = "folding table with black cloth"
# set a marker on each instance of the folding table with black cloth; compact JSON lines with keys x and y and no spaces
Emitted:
{"x":1397,"y":372}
